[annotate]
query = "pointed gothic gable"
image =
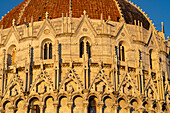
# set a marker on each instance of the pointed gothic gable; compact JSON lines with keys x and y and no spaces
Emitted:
{"x":46,"y":29}
{"x":151,"y":85}
{"x":15,"y":81}
{"x":128,"y":85}
{"x":152,"y":40}
{"x":121,"y":31}
{"x":100,"y":81}
{"x":42,"y":83}
{"x":71,"y":82}
{"x":12,"y":36}
{"x":86,"y":26}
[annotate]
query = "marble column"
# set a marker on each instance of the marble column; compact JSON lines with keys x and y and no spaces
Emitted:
{"x":85,"y":105}
{"x":12,"y":108}
{"x":128,"y":107}
{"x":56,"y":104}
{"x":41,"y":108}
{"x":26,"y":107}
{"x":115,"y":106}
{"x":100,"y":107}
{"x":70,"y":105}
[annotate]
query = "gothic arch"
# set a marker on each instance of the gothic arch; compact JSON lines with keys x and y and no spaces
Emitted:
{"x":71,"y":76}
{"x":15,"y":80}
{"x":34,"y":96}
{"x":47,"y":95}
{"x":19,"y":98}
{"x":11,"y":55}
{"x":47,"y":41}
{"x":108,"y":95}
{"x":60,"y":95}
{"x":43,"y":77}
{"x":150,"y":85}
{"x":101,"y":77}
{"x":77,"y":94}
{"x":127,"y":80}
{"x":93,"y":94}
{"x":5,"y":103}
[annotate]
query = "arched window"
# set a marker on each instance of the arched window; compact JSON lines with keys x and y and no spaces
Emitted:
{"x":92,"y":106}
{"x":47,"y":50}
{"x":150,"y":58}
{"x":11,"y":56}
{"x":85,"y":47}
{"x":81,"y":49}
{"x":121,"y":52}
{"x":88,"y":49}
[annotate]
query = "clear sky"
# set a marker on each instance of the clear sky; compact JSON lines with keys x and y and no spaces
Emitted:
{"x":157,"y":10}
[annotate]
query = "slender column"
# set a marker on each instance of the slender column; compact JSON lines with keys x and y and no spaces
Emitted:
{"x":115,"y":106}
{"x":57,"y":63}
{"x":100,"y":106}
{"x":12,"y":108}
{"x":48,"y":50}
{"x":26,"y":107}
{"x":128,"y":108}
{"x":1,"y":110}
{"x":69,"y":104}
{"x":56,"y":104}
{"x":41,"y":108}
{"x":85,"y":105}
{"x":121,"y":55}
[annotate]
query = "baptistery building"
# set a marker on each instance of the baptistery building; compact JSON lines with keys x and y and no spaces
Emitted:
{"x":82,"y":56}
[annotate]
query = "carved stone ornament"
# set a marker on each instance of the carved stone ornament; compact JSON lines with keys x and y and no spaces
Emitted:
{"x":46,"y":31}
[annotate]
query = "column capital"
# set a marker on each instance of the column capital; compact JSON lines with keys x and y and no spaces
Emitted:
{"x":69,"y":104}
{"x":85,"y":103}
{"x":56,"y":103}
{"x":140,"y":109}
{"x":100,"y":104}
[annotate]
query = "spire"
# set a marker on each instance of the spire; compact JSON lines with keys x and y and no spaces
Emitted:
{"x":84,"y":12}
{"x":46,"y":15}
{"x":13,"y":22}
{"x":162,"y":27}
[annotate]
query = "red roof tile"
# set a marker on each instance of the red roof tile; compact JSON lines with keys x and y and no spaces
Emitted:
{"x":55,"y":8}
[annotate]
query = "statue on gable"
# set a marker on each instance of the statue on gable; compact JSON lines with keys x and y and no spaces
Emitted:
{"x":150,"y":93}
{"x":14,"y":92}
{"x":128,"y":89}
{"x":100,"y":87}
{"x":70,"y":89}
{"x":42,"y":88}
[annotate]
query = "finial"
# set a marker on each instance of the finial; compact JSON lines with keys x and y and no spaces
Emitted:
{"x":101,"y":16}
{"x":32,"y":19}
{"x":46,"y":15}
{"x":162,"y":26}
{"x":84,"y":12}
{"x":25,"y":19}
{"x":13,"y":22}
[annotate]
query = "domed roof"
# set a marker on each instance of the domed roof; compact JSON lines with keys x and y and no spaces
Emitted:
{"x":55,"y":8}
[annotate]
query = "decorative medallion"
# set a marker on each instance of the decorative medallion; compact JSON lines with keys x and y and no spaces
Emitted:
{"x":46,"y":31}
{"x":85,"y":29}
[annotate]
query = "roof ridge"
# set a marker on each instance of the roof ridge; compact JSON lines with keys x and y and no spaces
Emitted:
{"x":22,"y":11}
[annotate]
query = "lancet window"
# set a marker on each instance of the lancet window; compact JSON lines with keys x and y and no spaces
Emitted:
{"x":85,"y":47}
{"x":121,"y":52}
{"x":47,"y":50}
{"x":150,"y":58}
{"x":92,"y":106}
{"x":11,"y":56}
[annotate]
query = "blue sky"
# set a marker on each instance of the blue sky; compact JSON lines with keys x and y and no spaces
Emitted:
{"x":157,"y":10}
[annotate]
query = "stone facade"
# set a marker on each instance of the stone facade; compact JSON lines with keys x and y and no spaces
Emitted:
{"x":83,"y":65}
